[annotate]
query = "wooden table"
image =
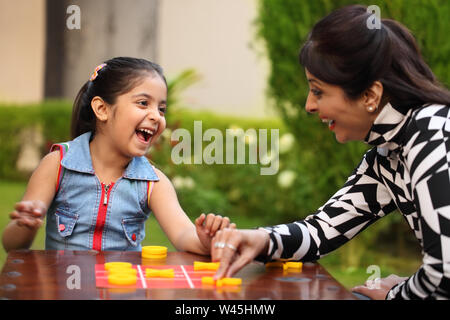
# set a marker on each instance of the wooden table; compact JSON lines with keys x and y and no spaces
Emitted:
{"x":48,"y":275}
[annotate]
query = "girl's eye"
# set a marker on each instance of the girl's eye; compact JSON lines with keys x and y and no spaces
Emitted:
{"x":143,"y":103}
{"x":163,"y":109}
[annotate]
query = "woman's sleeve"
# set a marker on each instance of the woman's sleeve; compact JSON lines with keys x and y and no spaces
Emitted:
{"x":360,"y":202}
{"x":428,"y":162}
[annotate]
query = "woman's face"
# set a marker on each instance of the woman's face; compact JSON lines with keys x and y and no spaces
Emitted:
{"x":349,"y":120}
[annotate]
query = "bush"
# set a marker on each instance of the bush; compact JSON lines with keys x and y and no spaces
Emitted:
{"x":230,"y":190}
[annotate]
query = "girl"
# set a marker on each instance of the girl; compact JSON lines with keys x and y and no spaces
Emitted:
{"x":370,"y":85}
{"x":98,"y":189}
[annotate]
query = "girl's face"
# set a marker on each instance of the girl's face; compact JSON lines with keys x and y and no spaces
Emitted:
{"x":349,"y":120}
{"x":138,"y":117}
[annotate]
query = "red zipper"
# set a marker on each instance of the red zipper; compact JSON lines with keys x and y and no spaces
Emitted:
{"x":101,"y":216}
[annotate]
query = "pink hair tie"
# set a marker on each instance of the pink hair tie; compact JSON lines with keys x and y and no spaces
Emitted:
{"x":97,"y":69}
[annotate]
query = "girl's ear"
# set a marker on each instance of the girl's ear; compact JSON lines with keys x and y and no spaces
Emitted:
{"x":100,"y":108}
{"x":373,"y":95}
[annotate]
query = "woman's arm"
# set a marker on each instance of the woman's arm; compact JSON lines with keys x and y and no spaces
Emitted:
{"x":182,"y":233}
{"x":428,"y":162}
{"x":29,"y":213}
{"x":359,"y":203}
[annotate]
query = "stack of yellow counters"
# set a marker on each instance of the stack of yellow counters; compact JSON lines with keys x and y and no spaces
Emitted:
{"x":121,"y":273}
{"x":154,"y":252}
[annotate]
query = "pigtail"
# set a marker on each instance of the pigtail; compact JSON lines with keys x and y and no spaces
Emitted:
{"x":83,"y":118}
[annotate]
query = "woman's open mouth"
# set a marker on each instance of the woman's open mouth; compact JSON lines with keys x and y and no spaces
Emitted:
{"x":331,"y":123}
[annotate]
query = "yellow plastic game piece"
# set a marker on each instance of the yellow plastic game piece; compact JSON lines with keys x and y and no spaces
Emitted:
{"x":121,"y":270}
{"x":208,"y":280}
{"x":110,"y":265}
{"x":294,"y":265}
{"x":154,"y":252}
{"x":275,"y":264}
{"x":201,"y":266}
{"x":159,"y":273}
{"x":122,"y":279}
{"x":222,"y":282}
{"x":232,"y":281}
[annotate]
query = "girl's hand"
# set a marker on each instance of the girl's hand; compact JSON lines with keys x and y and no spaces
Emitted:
{"x":236,"y":248}
{"x":377,"y":289}
{"x":207,"y":226}
{"x":29,"y":213}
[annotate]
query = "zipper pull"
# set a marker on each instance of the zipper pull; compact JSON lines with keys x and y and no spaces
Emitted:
{"x":105,"y":198}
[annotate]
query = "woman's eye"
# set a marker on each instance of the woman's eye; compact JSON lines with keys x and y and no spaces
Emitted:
{"x":316,"y":92}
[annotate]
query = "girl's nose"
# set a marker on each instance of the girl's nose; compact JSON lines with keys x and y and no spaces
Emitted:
{"x":154,"y":114}
{"x":311,"y":105}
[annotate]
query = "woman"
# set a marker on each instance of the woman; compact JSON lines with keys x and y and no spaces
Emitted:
{"x":375,"y":88}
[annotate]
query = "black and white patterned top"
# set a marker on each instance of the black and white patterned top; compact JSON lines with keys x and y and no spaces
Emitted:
{"x":407,"y":169}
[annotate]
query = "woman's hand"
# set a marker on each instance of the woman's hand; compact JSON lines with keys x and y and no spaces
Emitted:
{"x":29,"y":214}
{"x":207,"y":226}
{"x":377,"y":289}
{"x":235,"y":248}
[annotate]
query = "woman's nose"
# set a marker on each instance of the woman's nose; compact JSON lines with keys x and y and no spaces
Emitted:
{"x":311,"y":105}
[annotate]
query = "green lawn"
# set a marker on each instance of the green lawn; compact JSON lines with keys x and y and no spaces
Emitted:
{"x":11,"y":192}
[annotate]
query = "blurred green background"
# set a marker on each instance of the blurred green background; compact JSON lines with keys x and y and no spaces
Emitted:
{"x":312,"y":164}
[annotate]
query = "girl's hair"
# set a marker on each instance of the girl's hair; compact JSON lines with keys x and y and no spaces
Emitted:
{"x":117,"y":77}
{"x":343,"y":51}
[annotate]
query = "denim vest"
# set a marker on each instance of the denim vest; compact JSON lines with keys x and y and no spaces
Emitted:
{"x":86,"y":215}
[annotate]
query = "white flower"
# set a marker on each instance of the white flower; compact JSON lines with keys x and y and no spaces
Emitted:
{"x":183,"y":183}
{"x":286,"y":178}
{"x":286,"y":142}
{"x":178,"y":182}
{"x":167,"y":134}
{"x":189,"y":183}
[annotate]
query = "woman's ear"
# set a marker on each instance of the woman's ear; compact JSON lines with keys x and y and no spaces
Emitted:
{"x":100,"y":108}
{"x":372,"y":96}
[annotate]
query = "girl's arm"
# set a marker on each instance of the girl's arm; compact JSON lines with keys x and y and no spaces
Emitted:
{"x":29,"y":213}
{"x":182,"y":233}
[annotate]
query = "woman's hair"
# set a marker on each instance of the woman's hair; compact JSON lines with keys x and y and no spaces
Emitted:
{"x":117,"y":77}
{"x":342,"y":50}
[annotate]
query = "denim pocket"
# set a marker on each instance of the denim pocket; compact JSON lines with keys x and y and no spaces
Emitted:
{"x":133,"y":228}
{"x":65,"y":222}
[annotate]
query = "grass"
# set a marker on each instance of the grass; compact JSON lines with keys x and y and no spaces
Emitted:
{"x":348,"y":276}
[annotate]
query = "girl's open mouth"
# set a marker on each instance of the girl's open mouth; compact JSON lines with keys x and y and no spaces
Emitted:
{"x":144,"y":135}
